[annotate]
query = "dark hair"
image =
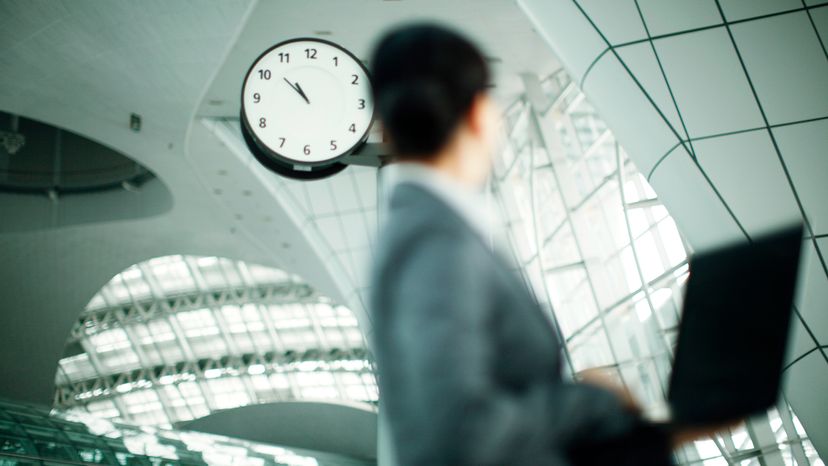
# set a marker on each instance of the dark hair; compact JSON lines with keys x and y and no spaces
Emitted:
{"x":425,"y":79}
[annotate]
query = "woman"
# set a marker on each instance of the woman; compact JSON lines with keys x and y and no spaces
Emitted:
{"x":469,"y":368}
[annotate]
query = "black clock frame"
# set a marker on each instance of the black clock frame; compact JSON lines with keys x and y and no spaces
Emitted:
{"x":287,"y":166}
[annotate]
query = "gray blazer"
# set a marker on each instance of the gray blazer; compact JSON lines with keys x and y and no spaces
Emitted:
{"x":469,"y":367}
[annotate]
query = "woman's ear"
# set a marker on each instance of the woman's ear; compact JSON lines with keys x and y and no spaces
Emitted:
{"x":478,"y":115}
{"x":483,"y":119}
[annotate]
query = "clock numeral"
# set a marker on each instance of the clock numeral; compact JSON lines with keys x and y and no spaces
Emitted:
{"x":264,"y":74}
{"x":333,"y":145}
{"x":262,"y":123}
{"x":361,"y":104}
{"x":282,"y":143}
{"x":284,"y":58}
{"x":307,"y":150}
{"x":257,"y":98}
{"x":356,"y":79}
{"x":310,"y":54}
{"x":336,"y":61}
{"x":352,"y":128}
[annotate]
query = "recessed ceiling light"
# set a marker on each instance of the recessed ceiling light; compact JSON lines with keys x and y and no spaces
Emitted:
{"x":323,"y":33}
{"x":215,"y":102}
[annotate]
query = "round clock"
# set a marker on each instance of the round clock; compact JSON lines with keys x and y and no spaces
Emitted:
{"x":306,"y":103}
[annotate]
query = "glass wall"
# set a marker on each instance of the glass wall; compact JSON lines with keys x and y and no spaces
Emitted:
{"x":178,"y":337}
{"x":605,"y":257}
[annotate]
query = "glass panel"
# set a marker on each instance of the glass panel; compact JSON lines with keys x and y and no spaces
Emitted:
{"x":216,"y":334}
{"x":578,"y":212}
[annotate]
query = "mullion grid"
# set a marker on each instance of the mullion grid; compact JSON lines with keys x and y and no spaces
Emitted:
{"x":502,"y":179}
{"x":215,"y":304}
{"x":687,"y":143}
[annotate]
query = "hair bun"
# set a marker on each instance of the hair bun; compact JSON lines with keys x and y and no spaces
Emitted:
{"x":420,"y":109}
{"x":425,"y":80}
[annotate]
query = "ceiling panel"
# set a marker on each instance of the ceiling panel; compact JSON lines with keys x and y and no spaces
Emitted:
{"x":662,"y":17}
{"x":820,"y":18}
{"x":803,"y":149}
{"x":618,"y":20}
{"x":747,"y":172}
{"x":800,"y":343}
{"x":343,"y":193}
{"x":740,"y":9}
{"x":698,"y":211}
{"x":366,"y":184}
{"x":811,"y":374}
{"x":642,"y":61}
{"x":789,"y":75}
{"x":711,"y":90}
{"x":320,"y":197}
{"x":815,"y":294}
{"x":621,"y":98}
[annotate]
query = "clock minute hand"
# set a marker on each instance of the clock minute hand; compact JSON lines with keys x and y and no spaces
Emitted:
{"x":301,"y":92}
{"x":296,"y":87}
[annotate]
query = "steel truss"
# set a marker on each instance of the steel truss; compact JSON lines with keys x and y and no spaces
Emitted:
{"x":73,"y":394}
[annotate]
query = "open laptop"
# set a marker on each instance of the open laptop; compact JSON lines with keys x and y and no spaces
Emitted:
{"x":734,"y":330}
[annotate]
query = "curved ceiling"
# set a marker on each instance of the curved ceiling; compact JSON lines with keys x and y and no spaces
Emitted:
{"x":338,"y":215}
{"x":179,"y":337}
{"x":47,"y":158}
{"x":87,"y":67}
{"x":53,"y":178}
{"x":724,"y":105}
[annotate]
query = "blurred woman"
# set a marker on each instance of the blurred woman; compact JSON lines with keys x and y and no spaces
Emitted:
{"x":469,"y":367}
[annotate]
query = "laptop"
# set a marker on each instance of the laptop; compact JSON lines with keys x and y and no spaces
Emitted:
{"x":734,"y":330}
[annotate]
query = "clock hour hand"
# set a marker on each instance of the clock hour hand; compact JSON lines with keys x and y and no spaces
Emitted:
{"x":296,"y":87}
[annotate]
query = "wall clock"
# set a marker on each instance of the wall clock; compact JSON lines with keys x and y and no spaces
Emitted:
{"x":306,"y":104}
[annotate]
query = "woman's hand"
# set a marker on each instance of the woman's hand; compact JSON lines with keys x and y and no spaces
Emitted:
{"x":686,"y":435}
{"x":602,"y":378}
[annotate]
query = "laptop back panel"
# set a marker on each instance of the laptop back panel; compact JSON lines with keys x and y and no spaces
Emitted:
{"x":734,"y":329}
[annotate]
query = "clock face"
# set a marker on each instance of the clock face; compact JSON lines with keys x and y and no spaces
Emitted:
{"x":307,"y":102}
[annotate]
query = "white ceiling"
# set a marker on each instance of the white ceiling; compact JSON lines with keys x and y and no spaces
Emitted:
{"x":498,"y":26}
{"x":85,"y":66}
{"x":724,"y":105}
